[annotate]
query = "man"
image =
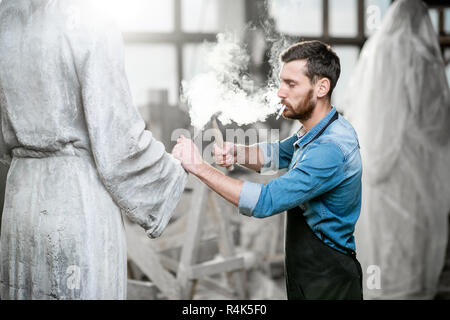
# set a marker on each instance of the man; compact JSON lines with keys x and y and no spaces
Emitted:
{"x":321,"y":190}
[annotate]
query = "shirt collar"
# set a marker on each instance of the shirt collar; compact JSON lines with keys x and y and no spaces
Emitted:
{"x":315,"y":131}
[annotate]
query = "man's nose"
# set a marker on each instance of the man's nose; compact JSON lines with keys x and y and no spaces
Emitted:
{"x":281,"y":93}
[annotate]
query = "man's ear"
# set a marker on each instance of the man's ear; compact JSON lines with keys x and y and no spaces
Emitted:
{"x":323,"y":87}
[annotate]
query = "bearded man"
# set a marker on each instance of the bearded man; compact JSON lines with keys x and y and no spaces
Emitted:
{"x":321,"y":190}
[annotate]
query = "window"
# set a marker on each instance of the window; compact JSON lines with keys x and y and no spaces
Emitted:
{"x":374,"y":11}
{"x":434,"y":15}
{"x":343,"y":18}
{"x":297,"y":17}
{"x":141,"y":15}
{"x":348,"y":56}
{"x":212,"y":16}
{"x":200,"y":15}
{"x":157,"y":32}
{"x":151,"y":66}
{"x":447,"y":68}
{"x":195,"y":54}
{"x":447,"y":20}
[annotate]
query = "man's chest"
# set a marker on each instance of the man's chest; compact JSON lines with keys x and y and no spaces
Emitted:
{"x":299,"y":153}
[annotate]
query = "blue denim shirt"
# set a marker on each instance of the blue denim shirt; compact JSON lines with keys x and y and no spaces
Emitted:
{"x":323,"y":178}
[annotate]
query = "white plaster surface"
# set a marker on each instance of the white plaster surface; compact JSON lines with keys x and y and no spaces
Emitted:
{"x":78,"y":153}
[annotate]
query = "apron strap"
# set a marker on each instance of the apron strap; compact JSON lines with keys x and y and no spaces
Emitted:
{"x":333,"y":118}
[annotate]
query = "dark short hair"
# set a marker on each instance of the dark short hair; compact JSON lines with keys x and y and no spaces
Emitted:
{"x":321,"y":60}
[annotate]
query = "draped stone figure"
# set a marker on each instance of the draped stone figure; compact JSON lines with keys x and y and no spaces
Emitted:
{"x":79,"y":154}
{"x":398,"y":100}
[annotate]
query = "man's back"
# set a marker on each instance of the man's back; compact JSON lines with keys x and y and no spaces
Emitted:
{"x":334,"y":213}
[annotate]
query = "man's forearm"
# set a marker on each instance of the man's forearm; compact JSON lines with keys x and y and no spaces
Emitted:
{"x":250,"y":157}
{"x":225,"y":186}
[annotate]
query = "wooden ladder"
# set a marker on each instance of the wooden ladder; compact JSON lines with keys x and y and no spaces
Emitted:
{"x":189,"y":271}
{"x":178,"y":278}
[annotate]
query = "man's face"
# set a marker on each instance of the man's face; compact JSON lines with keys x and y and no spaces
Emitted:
{"x":296,"y":91}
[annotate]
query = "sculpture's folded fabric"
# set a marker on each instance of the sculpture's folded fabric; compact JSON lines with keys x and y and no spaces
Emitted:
{"x":398,"y":100}
{"x":80,"y":154}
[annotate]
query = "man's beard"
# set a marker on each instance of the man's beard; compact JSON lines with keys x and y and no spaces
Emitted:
{"x":305,"y":108}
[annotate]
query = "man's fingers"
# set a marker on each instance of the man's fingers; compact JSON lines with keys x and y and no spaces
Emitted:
{"x":182,"y":139}
{"x":219,"y":151}
{"x":223,"y":157}
{"x":176,"y":152}
{"x":228,"y":148}
{"x":224,"y":161}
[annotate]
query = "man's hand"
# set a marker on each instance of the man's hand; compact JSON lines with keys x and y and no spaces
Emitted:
{"x":225,"y":156}
{"x":191,"y":160}
{"x":248,"y":156}
{"x":187,"y":152}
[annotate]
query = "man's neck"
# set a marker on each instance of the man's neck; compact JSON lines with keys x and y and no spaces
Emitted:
{"x":320,"y":111}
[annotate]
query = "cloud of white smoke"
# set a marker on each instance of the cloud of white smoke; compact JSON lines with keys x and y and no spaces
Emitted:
{"x":225,"y":90}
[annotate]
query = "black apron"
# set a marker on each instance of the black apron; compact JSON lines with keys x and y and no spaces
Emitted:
{"x":315,"y":270}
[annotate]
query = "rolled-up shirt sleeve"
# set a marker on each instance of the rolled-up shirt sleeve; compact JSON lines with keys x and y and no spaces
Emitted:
{"x":316,"y":173}
{"x":249,"y":197}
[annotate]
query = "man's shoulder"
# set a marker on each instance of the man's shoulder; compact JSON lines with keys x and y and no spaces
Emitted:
{"x":342,"y":134}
